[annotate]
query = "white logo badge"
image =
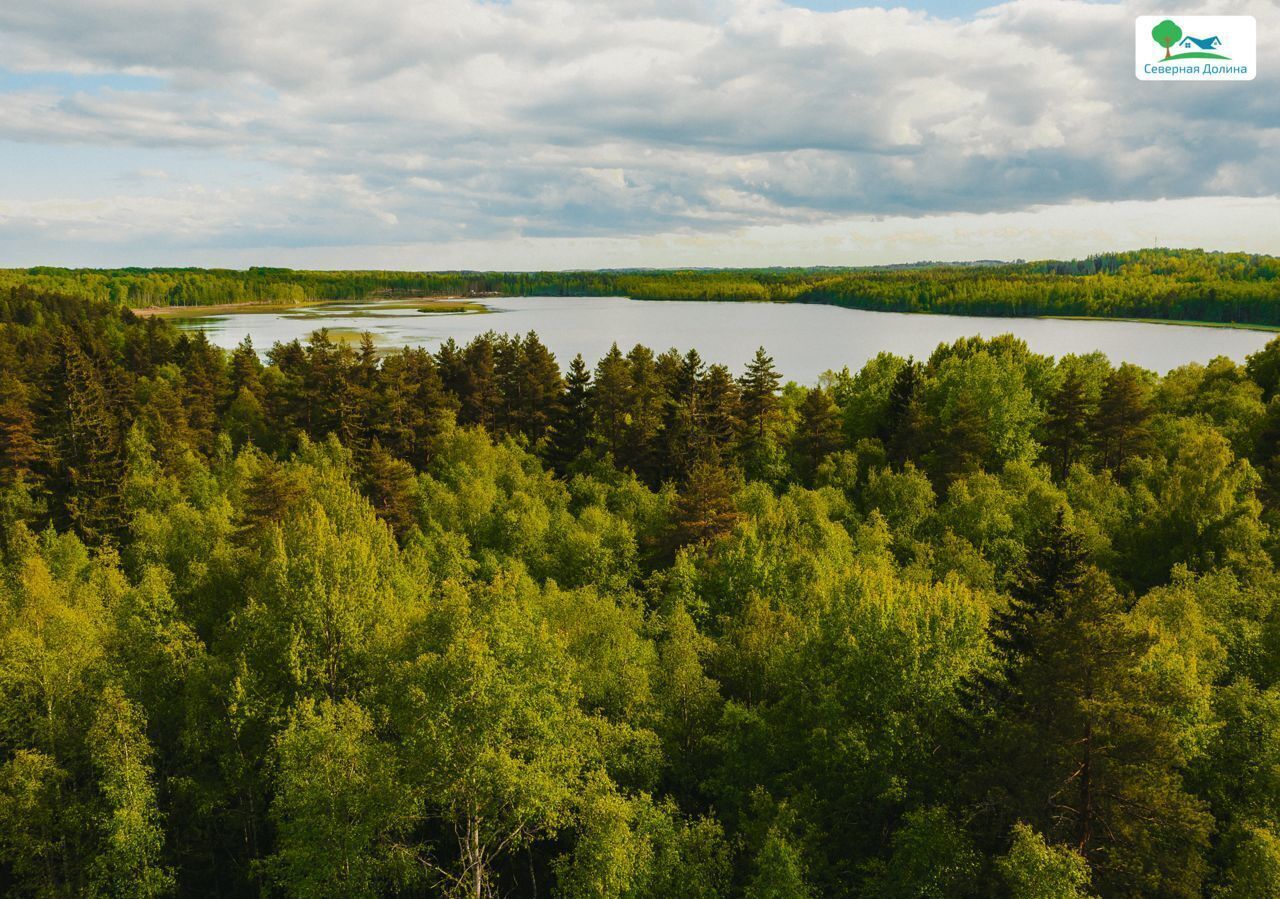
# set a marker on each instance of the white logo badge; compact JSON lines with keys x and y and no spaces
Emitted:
{"x":1195,"y":48}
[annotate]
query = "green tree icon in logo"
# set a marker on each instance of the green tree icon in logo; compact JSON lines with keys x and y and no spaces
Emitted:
{"x":1166,"y":34}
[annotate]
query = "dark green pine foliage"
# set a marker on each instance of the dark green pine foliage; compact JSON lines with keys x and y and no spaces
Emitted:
{"x":1121,"y":425}
{"x":818,"y":433}
{"x":480,"y":398}
{"x":684,"y":425}
{"x":963,"y":441}
{"x":760,"y":404}
{"x":1066,"y":424}
{"x":413,"y":405}
{"x":20,"y":448}
{"x":721,"y":410}
{"x":639,"y":449}
{"x":86,"y":435}
{"x":902,"y":430}
{"x":571,"y":433}
{"x":541,"y":390}
{"x":1055,"y":568}
{"x":610,"y":400}
{"x":1082,"y":749}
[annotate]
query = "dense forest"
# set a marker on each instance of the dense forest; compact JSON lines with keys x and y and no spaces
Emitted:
{"x":1166,"y":284}
{"x":471,"y":623}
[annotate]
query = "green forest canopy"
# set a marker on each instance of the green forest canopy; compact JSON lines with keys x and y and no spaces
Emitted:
{"x":1192,"y":285}
{"x":477,"y":623}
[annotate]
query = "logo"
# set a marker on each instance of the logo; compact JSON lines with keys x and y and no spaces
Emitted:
{"x":1195,"y":48}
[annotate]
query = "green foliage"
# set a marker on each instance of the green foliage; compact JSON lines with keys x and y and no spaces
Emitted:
{"x":455,"y":624}
{"x":1033,"y":869}
{"x":1153,"y":283}
{"x":339,"y":808}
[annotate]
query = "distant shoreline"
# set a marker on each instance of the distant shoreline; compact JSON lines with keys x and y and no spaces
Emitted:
{"x":1181,"y":322}
{"x":447,"y":304}
{"x":462,"y":303}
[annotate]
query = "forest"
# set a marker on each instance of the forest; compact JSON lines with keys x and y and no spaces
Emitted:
{"x":479,"y":622}
{"x":1192,"y":285}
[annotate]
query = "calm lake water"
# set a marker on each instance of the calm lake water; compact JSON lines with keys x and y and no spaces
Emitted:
{"x":804,"y":340}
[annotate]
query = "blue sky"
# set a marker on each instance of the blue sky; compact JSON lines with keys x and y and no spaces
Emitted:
{"x":566,"y":133}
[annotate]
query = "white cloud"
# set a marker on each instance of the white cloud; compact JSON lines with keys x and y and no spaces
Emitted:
{"x":393,"y":124}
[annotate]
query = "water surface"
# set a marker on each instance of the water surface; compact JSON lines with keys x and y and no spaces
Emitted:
{"x":804,"y":340}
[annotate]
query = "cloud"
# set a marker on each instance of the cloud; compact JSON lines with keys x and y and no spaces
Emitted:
{"x":388,"y":123}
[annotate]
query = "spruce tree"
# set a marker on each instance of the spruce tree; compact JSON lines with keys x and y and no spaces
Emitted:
{"x":902,"y":430}
{"x":609,"y":399}
{"x":572,"y":431}
{"x":760,"y":404}
{"x":819,"y":431}
{"x":1066,"y":426}
{"x":1120,"y":425}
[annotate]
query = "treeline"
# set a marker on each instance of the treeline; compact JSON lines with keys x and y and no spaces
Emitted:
{"x":468,"y":623}
{"x":1167,"y":284}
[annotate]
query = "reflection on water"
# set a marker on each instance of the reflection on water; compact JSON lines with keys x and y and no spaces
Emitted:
{"x":805,"y":340}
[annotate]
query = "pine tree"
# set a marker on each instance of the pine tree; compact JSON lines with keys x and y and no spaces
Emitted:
{"x":721,"y":407}
{"x":819,"y":431}
{"x":391,"y":486}
{"x":1066,"y":426}
{"x":541,"y":389}
{"x":1055,"y":568}
{"x":20,"y":449}
{"x":88,"y":442}
{"x":683,"y":431}
{"x":760,"y":405}
{"x":706,"y":508}
{"x":1081,"y":748}
{"x":1120,"y":426}
{"x":572,"y":430}
{"x":480,"y":399}
{"x":609,"y":399}
{"x":902,"y":430}
{"x":964,"y":443}
{"x":646,"y":399}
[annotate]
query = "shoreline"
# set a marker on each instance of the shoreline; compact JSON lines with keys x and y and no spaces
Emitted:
{"x":224,"y":308}
{"x":447,"y":304}
{"x":1176,"y":322}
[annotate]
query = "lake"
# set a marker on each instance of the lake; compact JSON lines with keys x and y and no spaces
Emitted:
{"x":804,"y":340}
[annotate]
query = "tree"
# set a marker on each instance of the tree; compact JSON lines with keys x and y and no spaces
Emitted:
{"x":1066,"y":424}
{"x":20,"y":448}
{"x":780,"y":871}
{"x":1119,"y":426}
{"x":128,"y":860}
{"x":1084,"y":752}
{"x":1055,"y":569}
{"x":571,"y":433}
{"x":931,"y":858}
{"x":540,"y":389}
{"x":759,"y":398}
{"x":88,"y":444}
{"x":902,"y":425}
{"x":706,"y":509}
{"x":339,"y":806}
{"x":610,"y":399}
{"x":493,"y":739}
{"x":721,"y":409}
{"x":1033,"y":869}
{"x":818,"y":433}
{"x":392,"y":488}
{"x":1166,"y":34}
{"x":1255,"y":870}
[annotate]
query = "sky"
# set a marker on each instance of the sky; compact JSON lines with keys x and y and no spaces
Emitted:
{"x":527,"y":134}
